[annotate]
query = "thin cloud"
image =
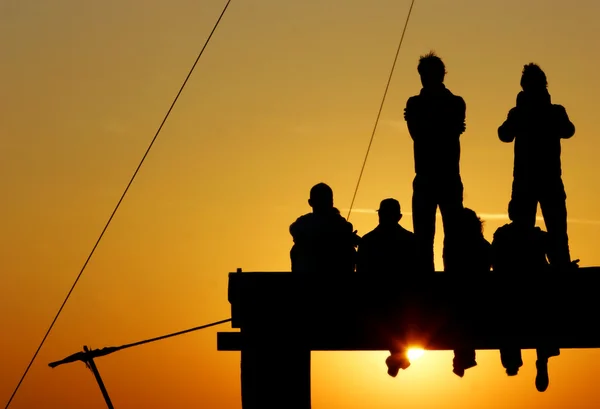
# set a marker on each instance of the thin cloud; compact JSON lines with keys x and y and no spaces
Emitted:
{"x":397,"y":124}
{"x":483,"y":216}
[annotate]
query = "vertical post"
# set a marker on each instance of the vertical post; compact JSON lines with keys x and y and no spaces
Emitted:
{"x":275,"y":376}
{"x":90,"y":362}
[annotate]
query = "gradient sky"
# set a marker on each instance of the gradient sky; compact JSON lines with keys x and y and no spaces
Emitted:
{"x":284,"y":97}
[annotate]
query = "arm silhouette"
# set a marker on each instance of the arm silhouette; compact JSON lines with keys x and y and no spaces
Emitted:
{"x":508,"y":130}
{"x":411,"y":116}
{"x":460,"y":126}
{"x":564,"y":127}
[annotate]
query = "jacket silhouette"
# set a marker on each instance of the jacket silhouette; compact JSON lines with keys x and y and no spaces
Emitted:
{"x":324,"y":241}
{"x":389,"y":248}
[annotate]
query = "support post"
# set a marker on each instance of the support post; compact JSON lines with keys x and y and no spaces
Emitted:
{"x":92,"y":365}
{"x":275,"y":376}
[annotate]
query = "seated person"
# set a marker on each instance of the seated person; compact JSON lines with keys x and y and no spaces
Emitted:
{"x":324,"y":241}
{"x":518,"y":247}
{"x":467,"y":253}
{"x":388,"y":250}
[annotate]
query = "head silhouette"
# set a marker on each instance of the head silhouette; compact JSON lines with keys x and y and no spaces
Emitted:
{"x":533,"y":78}
{"x":471,"y":225}
{"x":389,"y":212}
{"x":431,"y":69}
{"x":321,"y":197}
{"x":515,"y":213}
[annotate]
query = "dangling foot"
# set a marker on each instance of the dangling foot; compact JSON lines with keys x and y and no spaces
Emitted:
{"x":541,"y":379}
{"x":460,"y":372}
{"x":395,"y":362}
{"x":512,"y":371}
{"x":460,"y":367}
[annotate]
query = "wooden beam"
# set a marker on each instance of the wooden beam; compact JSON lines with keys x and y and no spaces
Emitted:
{"x":237,"y":341}
{"x":438,"y":311}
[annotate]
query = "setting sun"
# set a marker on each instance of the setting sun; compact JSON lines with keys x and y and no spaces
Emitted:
{"x":415,"y":353}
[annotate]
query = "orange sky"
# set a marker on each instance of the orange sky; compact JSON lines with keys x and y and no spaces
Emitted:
{"x":284,"y":97}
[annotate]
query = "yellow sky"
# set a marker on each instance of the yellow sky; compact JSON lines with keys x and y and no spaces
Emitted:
{"x":285,"y":96}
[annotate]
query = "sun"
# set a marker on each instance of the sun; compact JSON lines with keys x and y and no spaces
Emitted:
{"x":415,"y":353}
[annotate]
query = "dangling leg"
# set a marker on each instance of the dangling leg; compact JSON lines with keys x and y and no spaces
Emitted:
{"x":511,"y":360}
{"x":464,"y":359}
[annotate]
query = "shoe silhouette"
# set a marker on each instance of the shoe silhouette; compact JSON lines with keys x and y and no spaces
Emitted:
{"x":541,"y":379}
{"x":512,"y":371}
{"x":395,"y":363}
{"x":459,"y":371}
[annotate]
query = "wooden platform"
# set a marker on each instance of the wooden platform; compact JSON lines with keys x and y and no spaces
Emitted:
{"x":282,"y":316}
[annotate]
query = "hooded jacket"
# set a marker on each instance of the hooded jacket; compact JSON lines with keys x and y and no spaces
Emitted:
{"x":537,"y":126}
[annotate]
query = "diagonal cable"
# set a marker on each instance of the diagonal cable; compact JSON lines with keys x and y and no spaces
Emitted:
{"x":117,"y":206}
{"x":380,"y":108}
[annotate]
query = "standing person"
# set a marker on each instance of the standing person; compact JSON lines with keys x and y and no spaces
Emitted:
{"x":536,"y":125}
{"x":435,"y":120}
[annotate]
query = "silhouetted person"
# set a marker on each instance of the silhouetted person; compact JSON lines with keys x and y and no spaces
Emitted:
{"x":537,"y":126}
{"x":467,"y":254}
{"x":388,"y":251}
{"x":435,"y":119}
{"x":324,"y":241}
{"x":517,"y":248}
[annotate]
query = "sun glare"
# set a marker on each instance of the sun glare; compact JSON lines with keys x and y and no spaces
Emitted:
{"x":415,"y":353}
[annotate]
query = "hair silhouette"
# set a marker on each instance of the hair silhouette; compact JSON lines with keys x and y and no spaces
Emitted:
{"x":389,"y":211}
{"x":321,"y":197}
{"x":431,"y":69}
{"x":533,"y":78}
{"x":471,"y":223}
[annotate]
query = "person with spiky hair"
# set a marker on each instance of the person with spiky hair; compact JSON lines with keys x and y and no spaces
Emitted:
{"x":536,"y":126}
{"x":435,"y":120}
